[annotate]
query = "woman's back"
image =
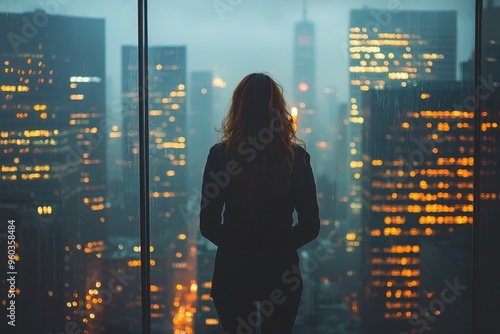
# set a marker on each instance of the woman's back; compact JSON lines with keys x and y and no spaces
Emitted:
{"x":256,"y":239}
{"x":253,"y":181}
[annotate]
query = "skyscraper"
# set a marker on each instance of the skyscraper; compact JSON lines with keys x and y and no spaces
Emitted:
{"x":417,"y":206}
{"x":407,"y":48}
{"x":400,"y":50}
{"x":388,"y":50}
{"x":304,"y":82}
{"x":53,"y":157}
{"x":200,"y":123}
{"x":168,"y":168}
{"x":168,"y":122}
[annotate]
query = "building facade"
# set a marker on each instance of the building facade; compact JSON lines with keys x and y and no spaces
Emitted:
{"x":168,"y":168}
{"x":53,"y":174}
{"x":418,"y":157}
{"x":402,"y":50}
{"x":304,"y":78}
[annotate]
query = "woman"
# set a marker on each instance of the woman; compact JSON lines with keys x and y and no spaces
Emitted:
{"x":253,"y":181}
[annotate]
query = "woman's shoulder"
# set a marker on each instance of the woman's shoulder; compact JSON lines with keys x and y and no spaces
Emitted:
{"x":218,"y":150}
{"x":218,"y":147}
{"x":300,"y":150}
{"x":302,"y":157}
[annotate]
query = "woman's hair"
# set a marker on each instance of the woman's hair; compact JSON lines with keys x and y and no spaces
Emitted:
{"x":258,"y":130}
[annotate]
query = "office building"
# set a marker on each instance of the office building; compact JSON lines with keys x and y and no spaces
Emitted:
{"x":304,"y":81}
{"x":168,"y":168}
{"x":401,"y":49}
{"x":417,"y":205}
{"x":52,"y":176}
{"x":200,"y":120}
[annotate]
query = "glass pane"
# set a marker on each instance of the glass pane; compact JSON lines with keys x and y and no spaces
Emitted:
{"x":382,"y":99}
{"x":68,"y":204}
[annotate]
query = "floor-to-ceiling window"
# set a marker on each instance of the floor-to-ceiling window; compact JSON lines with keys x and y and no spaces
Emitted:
{"x":385,"y":95}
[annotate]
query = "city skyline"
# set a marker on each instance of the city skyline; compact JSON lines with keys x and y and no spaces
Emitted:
{"x":177,"y":93}
{"x":278,"y":16}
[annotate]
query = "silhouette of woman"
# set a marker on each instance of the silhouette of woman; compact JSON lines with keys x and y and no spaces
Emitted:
{"x":253,"y":181}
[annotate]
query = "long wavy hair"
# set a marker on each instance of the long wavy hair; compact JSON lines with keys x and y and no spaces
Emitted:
{"x":258,"y":112}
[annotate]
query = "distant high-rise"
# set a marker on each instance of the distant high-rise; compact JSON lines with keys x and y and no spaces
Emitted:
{"x":418,"y":159}
{"x":304,"y":62}
{"x":168,"y":168}
{"x":167,"y":123}
{"x":201,"y":135}
{"x":53,"y":175}
{"x":304,"y":81}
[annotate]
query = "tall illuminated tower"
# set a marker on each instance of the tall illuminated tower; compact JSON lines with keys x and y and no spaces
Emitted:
{"x":417,"y":206}
{"x":168,"y":122}
{"x":52,"y":143}
{"x":304,"y":81}
{"x":401,"y":50}
{"x":168,"y":169}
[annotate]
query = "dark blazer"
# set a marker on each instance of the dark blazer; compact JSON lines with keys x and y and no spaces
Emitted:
{"x":257,"y":244}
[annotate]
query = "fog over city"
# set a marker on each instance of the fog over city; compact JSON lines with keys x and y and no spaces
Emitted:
{"x":234,"y":38}
{"x":251,"y":36}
